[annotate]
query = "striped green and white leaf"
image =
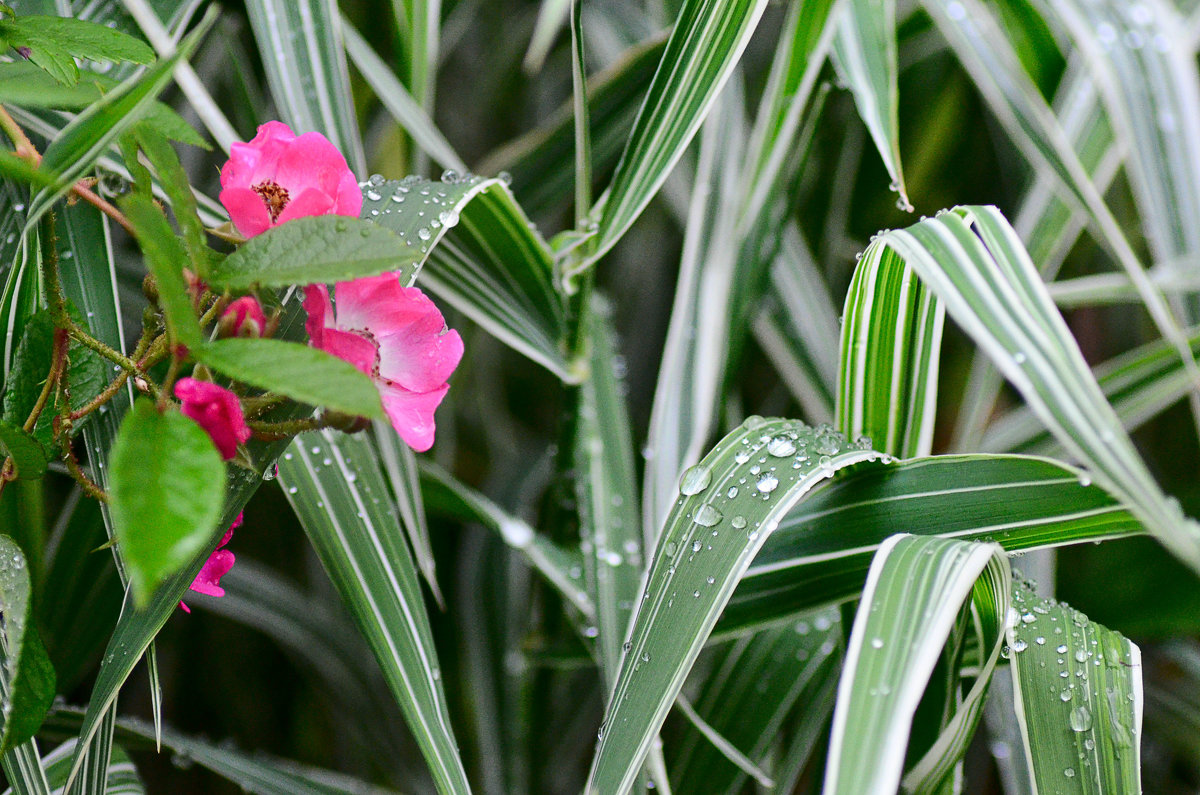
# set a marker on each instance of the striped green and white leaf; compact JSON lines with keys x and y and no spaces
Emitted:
{"x":400,"y":466}
{"x":1078,"y":688}
{"x":122,"y":776}
{"x":606,"y":492}
{"x":915,"y":590}
{"x":754,"y":685}
{"x":1050,"y":225}
{"x":976,"y":264}
{"x":797,"y":327}
{"x":890,"y":352}
{"x":705,"y":45}
{"x":562,"y":568}
{"x":419,"y":24}
{"x":75,"y":150}
{"x":541,"y":162}
{"x":974,"y":34}
{"x":822,"y":549}
{"x":730,"y":504}
{"x":865,"y":53}
{"x":808,"y":33}
{"x":26,"y":675}
{"x":1140,"y":384}
{"x":692,"y":372}
{"x":338,"y":491}
{"x":480,"y":255}
{"x":1143,"y":62}
{"x":23,"y":768}
{"x":301,"y":46}
{"x":405,"y":109}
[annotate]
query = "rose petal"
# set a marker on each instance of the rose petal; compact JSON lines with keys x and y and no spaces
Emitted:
{"x":310,"y":161}
{"x":349,"y":198}
{"x":320,"y":312}
{"x":310,"y":202}
{"x":377,"y":303}
{"x":217,"y":566}
{"x":246,"y":209}
{"x":420,"y":357}
{"x":411,"y":413}
{"x":358,"y":350}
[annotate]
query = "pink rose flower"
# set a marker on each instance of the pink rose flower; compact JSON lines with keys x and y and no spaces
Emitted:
{"x":217,"y":411}
{"x":242,"y":318}
{"x":279,"y":176}
{"x":397,"y":336}
{"x":208,"y":581}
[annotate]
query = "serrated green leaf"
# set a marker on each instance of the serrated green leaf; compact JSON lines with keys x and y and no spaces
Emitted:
{"x":321,"y":249}
{"x":1082,"y":731}
{"x":26,"y":675}
{"x":75,"y":38}
{"x":86,"y":376}
{"x":27,"y":452}
{"x":301,"y":372}
{"x":165,"y":257}
{"x":81,"y":143}
{"x":730,"y":504}
{"x":914,"y":592}
{"x":166,"y":494}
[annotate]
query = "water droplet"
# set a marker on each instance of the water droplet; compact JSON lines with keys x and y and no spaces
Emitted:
{"x":876,"y":643}
{"x":424,"y":233}
{"x":753,"y":422}
{"x":696,"y":545}
{"x":1081,"y":719}
{"x":375,"y":180}
{"x":781,"y":447}
{"x":706,"y":516}
{"x":695,"y":480}
{"x":373,"y":196}
{"x":505,"y":177}
{"x":767,"y":483}
{"x":450,"y":175}
{"x":738,"y":522}
{"x":1062,"y":649}
{"x":1069,"y":772}
{"x":1019,"y":645}
{"x":733,"y":492}
{"x":627,"y":645}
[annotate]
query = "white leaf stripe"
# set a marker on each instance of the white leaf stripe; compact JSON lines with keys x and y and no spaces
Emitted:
{"x":974,"y":261}
{"x":376,"y":576}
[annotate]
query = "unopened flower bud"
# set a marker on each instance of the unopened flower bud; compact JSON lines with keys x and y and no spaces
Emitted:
{"x":242,"y":318}
{"x":347,"y":423}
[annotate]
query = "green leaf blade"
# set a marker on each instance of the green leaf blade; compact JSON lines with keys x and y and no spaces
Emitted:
{"x":167,"y":493}
{"x":302,"y":373}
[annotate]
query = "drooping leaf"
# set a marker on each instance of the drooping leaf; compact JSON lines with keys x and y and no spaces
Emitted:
{"x":167,"y":493}
{"x":865,"y":48}
{"x":1082,"y":731}
{"x":479,"y":253}
{"x":298,"y":371}
{"x":914,"y":592}
{"x":730,"y":504}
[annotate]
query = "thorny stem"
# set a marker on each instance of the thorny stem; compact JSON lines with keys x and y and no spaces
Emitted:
{"x":274,"y":431}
